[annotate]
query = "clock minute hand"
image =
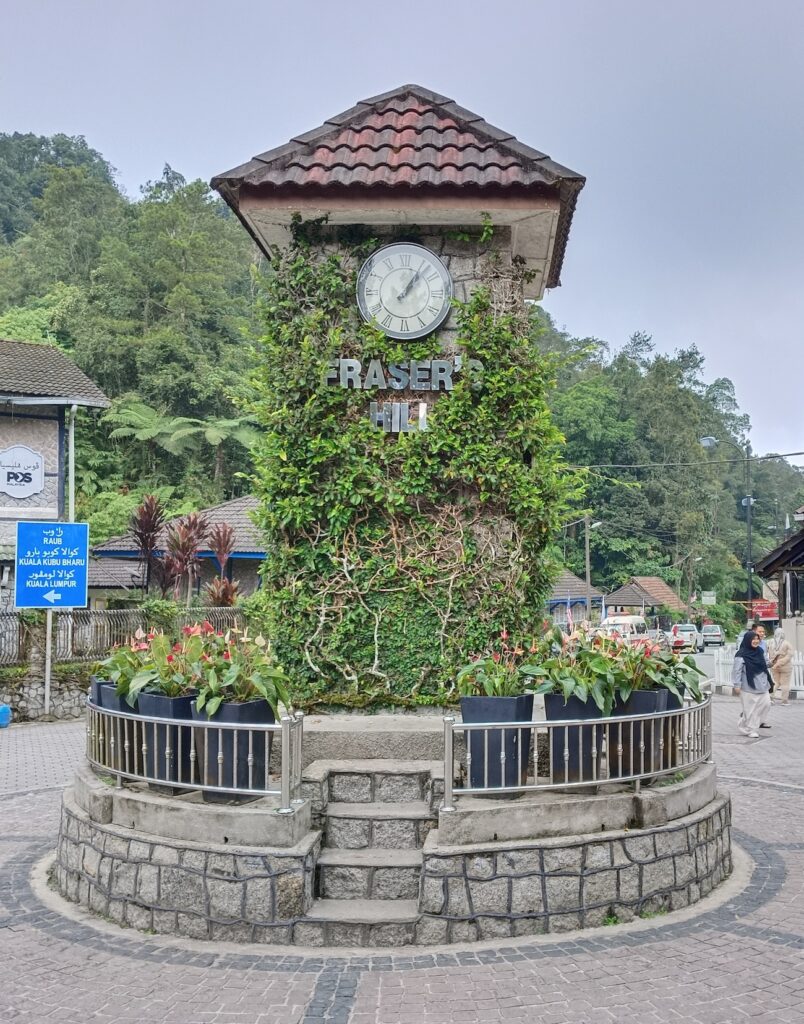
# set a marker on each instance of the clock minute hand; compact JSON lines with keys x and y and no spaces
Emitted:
{"x":408,"y":286}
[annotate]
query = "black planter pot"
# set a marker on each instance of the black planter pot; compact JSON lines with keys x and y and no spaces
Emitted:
{"x":167,"y":747}
{"x":122,"y":754}
{"x":110,"y":700}
{"x":672,"y":731}
{"x":95,"y":683}
{"x":209,"y":742}
{"x":626,"y":739}
{"x":572,"y":746}
{"x":515,"y":742}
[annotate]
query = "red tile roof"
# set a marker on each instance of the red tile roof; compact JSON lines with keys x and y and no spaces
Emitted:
{"x":409,"y":138}
{"x":648,"y":592}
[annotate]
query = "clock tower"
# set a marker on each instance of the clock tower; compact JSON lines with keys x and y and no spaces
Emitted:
{"x":404,"y":236}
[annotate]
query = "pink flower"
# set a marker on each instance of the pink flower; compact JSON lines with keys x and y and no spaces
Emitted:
{"x":504,"y":634}
{"x":170,"y":658}
{"x":496,"y":657}
{"x":227,"y":656}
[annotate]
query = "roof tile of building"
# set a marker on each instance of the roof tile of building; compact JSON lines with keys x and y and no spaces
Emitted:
{"x":410,"y":137}
{"x":237,"y":513}
{"x":650,"y":591}
{"x":568,"y":585}
{"x":29,"y":370}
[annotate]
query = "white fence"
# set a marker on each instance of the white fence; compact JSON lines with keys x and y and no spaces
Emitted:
{"x":724,"y":659}
{"x":85,"y":635}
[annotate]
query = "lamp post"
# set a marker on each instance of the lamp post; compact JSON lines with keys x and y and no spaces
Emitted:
{"x":748,"y":501}
{"x":587,"y":527}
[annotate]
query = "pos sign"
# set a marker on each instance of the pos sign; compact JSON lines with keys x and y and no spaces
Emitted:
{"x":51,"y":565}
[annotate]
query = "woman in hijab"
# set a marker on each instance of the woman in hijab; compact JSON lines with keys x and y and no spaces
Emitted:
{"x":781,"y":661}
{"x":750,"y":677}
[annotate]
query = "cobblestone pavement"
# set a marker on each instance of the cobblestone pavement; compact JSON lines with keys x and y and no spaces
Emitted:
{"x":726,"y":961}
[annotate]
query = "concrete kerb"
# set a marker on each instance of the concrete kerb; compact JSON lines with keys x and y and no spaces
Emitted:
{"x":553,"y":813}
{"x":183,"y":818}
{"x":729,"y":889}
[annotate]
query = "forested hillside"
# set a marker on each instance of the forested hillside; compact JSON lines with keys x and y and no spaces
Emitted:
{"x":156,"y":298}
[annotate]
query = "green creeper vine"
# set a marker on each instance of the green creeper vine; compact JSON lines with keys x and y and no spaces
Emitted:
{"x":393,"y":557}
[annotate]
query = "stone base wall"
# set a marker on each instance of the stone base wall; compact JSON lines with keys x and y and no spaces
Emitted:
{"x":529,"y":888}
{"x":26,"y":697}
{"x":242,"y":894}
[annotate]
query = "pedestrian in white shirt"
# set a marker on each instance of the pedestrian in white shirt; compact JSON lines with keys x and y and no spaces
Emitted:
{"x":751,"y":679}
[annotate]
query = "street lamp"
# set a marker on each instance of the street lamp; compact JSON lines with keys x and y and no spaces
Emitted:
{"x":748,"y":501}
{"x":587,"y":526}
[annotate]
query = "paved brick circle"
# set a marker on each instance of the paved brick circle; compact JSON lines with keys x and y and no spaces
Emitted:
{"x":729,"y":961}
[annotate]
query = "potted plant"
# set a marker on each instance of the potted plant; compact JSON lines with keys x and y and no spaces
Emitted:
{"x":239,"y":682}
{"x":115,"y":687}
{"x":492,"y":689}
{"x":575,"y":675}
{"x":165,"y":688}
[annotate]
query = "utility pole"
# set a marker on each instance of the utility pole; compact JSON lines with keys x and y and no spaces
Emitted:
{"x":588,"y":569}
{"x":749,"y":503}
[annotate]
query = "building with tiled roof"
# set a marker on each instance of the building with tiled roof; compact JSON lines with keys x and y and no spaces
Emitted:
{"x":570,"y":590}
{"x":645,"y":592}
{"x":40,"y":391}
{"x":411,"y":156}
{"x":247,"y":555}
{"x":43,"y":375}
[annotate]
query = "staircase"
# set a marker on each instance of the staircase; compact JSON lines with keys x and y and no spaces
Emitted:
{"x":375,"y":816}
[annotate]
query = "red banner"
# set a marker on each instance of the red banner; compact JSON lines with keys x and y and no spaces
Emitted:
{"x":765,"y":609}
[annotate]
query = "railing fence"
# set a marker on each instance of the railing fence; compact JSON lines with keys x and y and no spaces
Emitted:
{"x":724,"y":659}
{"x":87,"y":634}
{"x":546,"y":755}
{"x":220,"y":758}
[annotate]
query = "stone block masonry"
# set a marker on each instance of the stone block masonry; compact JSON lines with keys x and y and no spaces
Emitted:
{"x":26,"y":697}
{"x":494,"y":890}
{"x":243,"y":894}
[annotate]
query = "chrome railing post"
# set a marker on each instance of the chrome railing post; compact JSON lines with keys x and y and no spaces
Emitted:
{"x":449,"y":723}
{"x":285,"y":808}
{"x":298,"y":755}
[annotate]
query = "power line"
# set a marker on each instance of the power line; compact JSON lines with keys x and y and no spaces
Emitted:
{"x":671,"y":465}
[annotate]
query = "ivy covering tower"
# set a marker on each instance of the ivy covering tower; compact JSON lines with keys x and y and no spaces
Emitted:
{"x":410,"y":473}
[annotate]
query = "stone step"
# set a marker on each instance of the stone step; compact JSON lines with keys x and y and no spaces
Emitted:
{"x":358,"y":923}
{"x":379,"y":781}
{"x":373,"y":874}
{"x":372,"y":780}
{"x":394,"y":826}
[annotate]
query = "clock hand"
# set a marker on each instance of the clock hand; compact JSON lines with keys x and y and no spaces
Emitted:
{"x":408,"y":286}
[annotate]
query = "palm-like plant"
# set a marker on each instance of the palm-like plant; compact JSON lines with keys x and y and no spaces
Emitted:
{"x":146,"y":524}
{"x":184,"y":540}
{"x":216,"y":433}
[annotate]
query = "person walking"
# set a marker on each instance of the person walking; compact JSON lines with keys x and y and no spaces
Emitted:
{"x":781,"y":663}
{"x":750,"y":678}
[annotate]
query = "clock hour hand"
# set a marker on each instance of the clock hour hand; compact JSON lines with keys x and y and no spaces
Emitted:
{"x":408,"y":286}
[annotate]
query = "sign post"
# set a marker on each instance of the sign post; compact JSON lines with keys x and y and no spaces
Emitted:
{"x":51,"y":571}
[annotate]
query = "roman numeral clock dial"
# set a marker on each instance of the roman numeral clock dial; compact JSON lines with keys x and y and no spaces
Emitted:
{"x":404,"y":290}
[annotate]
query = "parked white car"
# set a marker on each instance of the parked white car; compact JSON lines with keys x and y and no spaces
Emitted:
{"x":713,"y":635}
{"x":687,"y":633}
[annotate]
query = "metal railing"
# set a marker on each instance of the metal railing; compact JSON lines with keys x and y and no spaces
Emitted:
{"x":184,"y":754}
{"x":575,"y":753}
{"x":89,"y":634}
{"x":724,"y":661}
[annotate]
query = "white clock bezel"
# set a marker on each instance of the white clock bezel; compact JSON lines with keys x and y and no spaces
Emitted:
{"x":363,"y":306}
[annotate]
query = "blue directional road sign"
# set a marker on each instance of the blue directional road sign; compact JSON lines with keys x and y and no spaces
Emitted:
{"x":51,"y":567}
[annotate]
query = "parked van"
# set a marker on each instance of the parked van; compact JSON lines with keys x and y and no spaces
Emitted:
{"x":630,"y":628}
{"x":625,"y":625}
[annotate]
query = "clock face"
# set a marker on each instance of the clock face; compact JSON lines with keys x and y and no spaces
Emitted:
{"x":405,"y":290}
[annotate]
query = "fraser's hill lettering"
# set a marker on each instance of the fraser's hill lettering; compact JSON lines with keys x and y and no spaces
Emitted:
{"x":410,"y":375}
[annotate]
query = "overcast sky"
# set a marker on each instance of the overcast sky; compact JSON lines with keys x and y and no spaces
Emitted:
{"x":687,"y":119}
